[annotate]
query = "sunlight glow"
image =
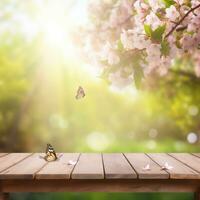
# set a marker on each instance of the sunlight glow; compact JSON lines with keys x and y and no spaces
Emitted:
{"x":98,"y":141}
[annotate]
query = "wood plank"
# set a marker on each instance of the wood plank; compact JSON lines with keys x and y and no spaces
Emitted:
{"x":59,"y":169}
{"x":188,"y":159}
{"x":3,"y":154}
{"x":196,"y":154}
{"x":25,"y":169}
{"x":117,"y":167}
{"x":89,"y":166}
{"x":179,"y":171}
{"x":139,"y":160}
{"x":11,"y":159}
{"x":104,"y":185}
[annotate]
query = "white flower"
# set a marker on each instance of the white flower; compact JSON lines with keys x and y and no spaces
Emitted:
{"x":146,"y":167}
{"x":197,"y":64}
{"x":187,"y":42}
{"x":172,"y":13}
{"x":72,"y":162}
{"x":127,"y":39}
{"x":153,"y":21}
{"x":113,"y":58}
{"x":118,"y":81}
{"x":140,"y":7}
{"x":180,"y":2}
{"x":109,"y":54}
{"x":132,"y":40}
{"x":156,"y":4}
{"x":194,"y":24}
{"x":166,"y":166}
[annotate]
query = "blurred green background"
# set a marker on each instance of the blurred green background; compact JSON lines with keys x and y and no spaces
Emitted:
{"x":40,"y":72}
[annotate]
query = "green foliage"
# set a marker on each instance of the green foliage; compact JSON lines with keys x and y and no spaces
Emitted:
{"x":138,"y":76}
{"x":148,"y":30}
{"x":165,"y":48}
{"x":155,"y":35}
{"x":120,"y":46}
{"x":168,"y":3}
{"x":102,"y":196}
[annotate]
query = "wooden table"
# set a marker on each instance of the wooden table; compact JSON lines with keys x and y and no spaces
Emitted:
{"x":95,"y":172}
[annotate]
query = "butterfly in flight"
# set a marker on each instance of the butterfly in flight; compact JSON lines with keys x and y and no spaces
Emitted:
{"x":80,"y":93}
{"x":50,"y":154}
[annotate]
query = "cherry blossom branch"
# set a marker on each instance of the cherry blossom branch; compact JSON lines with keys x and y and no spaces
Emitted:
{"x":119,"y":24}
{"x":181,"y":20}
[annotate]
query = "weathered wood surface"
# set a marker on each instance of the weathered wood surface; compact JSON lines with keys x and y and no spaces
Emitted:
{"x":117,"y":167}
{"x":89,"y":166}
{"x":179,"y":171}
{"x":100,"y":166}
{"x":9,"y":160}
{"x":59,"y":169}
{"x":116,"y":172}
{"x":140,"y":160}
{"x":188,"y":159}
{"x":26,"y":169}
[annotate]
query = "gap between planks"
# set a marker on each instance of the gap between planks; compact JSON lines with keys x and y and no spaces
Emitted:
{"x":60,"y":169}
{"x":137,"y":175}
{"x":29,"y":155}
{"x":117,"y":167}
{"x":140,"y":160}
{"x":3,"y":154}
{"x":179,"y":170}
{"x":104,"y":172}
{"x":171,"y":154}
{"x":75,"y":165}
{"x":157,"y":164}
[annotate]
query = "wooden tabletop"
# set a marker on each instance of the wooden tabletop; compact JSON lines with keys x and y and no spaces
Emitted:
{"x":100,"y":166}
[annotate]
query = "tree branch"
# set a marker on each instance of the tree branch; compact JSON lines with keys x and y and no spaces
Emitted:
{"x":181,"y":20}
{"x":184,"y":73}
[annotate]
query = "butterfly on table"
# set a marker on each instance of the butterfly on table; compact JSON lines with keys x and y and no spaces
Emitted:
{"x":50,"y":153}
{"x":80,"y":93}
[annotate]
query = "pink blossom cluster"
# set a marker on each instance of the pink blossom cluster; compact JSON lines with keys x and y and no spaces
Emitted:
{"x":129,"y":39}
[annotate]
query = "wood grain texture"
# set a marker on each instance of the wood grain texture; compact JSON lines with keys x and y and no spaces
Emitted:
{"x":188,"y":159}
{"x":179,"y":171}
{"x":89,"y":166}
{"x":117,"y":167}
{"x":25,"y":169}
{"x":11,"y":159}
{"x":59,"y":169}
{"x":139,"y":160}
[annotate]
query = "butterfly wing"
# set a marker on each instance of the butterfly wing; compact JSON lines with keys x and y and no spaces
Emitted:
{"x":50,"y":154}
{"x":80,"y":93}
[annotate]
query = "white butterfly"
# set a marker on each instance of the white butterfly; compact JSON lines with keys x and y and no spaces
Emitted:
{"x":72,"y":162}
{"x":166,"y":166}
{"x":146,"y":167}
{"x":80,"y":93}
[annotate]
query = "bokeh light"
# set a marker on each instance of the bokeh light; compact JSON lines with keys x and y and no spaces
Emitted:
{"x":192,"y":138}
